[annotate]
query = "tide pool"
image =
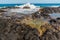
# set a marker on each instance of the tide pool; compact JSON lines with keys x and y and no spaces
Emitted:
{"x":55,"y":15}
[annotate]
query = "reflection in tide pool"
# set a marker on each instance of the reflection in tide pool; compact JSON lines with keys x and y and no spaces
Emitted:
{"x":55,"y":15}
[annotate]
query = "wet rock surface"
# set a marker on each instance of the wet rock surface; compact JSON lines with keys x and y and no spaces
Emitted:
{"x":14,"y":31}
{"x":50,"y":10}
{"x":50,"y":35}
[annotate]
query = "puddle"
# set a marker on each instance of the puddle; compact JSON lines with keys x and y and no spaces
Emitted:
{"x":55,"y":15}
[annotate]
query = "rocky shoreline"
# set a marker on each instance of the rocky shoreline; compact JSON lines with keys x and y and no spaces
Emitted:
{"x":35,"y":26}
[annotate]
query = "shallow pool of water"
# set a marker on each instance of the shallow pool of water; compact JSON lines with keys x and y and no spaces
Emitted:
{"x":55,"y":15}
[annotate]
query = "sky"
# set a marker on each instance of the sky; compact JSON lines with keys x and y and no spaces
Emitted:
{"x":28,"y":1}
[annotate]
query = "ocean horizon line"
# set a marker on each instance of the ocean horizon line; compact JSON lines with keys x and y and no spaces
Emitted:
{"x":42,"y":5}
{"x":34,"y":3}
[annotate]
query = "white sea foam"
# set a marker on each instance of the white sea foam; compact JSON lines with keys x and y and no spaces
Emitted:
{"x":30,"y":10}
{"x":28,"y":5}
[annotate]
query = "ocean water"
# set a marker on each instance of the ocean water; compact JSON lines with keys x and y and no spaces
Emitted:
{"x":41,"y":5}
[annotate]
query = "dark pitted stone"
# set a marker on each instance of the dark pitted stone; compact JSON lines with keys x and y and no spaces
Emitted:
{"x":13,"y":31}
{"x":50,"y":35}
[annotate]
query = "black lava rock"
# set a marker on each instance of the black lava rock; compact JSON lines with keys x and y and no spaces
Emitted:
{"x":14,"y":31}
